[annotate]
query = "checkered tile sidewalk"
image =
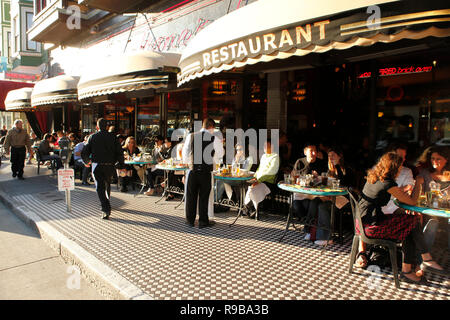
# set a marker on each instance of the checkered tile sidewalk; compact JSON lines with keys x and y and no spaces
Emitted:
{"x":151,"y":246}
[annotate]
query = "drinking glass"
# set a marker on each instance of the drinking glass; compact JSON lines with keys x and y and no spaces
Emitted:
{"x":336,"y":183}
{"x":286,"y":177}
{"x":324,"y":176}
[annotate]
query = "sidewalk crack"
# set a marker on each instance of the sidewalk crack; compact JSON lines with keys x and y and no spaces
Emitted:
{"x":28,"y":263}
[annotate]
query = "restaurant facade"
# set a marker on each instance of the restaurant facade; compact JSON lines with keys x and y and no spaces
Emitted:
{"x":347,"y":72}
{"x":351,"y":71}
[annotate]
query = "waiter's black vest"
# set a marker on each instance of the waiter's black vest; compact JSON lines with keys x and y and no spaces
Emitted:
{"x":206,"y":139}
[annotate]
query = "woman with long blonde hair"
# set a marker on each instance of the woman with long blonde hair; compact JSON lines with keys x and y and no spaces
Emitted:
{"x":377,"y":191}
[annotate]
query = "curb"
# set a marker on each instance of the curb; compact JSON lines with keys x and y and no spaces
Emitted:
{"x":108,"y":282}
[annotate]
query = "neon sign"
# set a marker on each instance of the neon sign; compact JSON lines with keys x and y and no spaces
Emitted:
{"x":384,"y":72}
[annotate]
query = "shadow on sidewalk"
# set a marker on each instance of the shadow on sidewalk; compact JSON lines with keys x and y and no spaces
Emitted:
{"x":223,"y":230}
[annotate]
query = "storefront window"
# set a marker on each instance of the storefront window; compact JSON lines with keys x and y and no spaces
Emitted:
{"x":147,"y":120}
{"x":178,"y":111}
{"x":220,"y":98}
{"x":89,"y":120}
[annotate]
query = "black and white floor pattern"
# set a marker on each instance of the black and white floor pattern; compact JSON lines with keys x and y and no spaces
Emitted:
{"x":152,"y":247}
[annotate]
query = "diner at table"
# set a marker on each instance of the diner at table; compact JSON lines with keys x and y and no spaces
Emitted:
{"x":305,"y":207}
{"x":339,"y":170}
{"x":400,"y":226}
{"x":161,"y":152}
{"x":47,"y":152}
{"x":127,"y":174}
{"x":241,"y":160}
{"x":265,"y":176}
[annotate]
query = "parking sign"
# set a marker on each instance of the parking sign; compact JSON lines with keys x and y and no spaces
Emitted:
{"x":66,"y":179}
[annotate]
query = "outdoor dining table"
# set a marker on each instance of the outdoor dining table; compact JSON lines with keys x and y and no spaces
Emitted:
{"x":435,"y":212}
{"x":240,"y":182}
{"x":319,"y":191}
{"x":167,"y":187}
{"x":144,"y":177}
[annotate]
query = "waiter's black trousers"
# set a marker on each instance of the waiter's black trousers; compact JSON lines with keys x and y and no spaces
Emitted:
{"x":103,"y":175}
{"x":18,"y":160}
{"x":198,"y":187}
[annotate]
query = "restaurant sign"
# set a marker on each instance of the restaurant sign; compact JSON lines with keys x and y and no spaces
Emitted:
{"x":339,"y":31}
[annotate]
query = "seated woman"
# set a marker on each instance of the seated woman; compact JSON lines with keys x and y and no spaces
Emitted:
{"x":377,"y":192}
{"x":131,"y":150}
{"x":162,"y":151}
{"x":310,"y":164}
{"x":265,"y":174}
{"x":336,"y":169}
{"x":437,"y":169}
{"x":241,"y":158}
{"x":45,"y":149}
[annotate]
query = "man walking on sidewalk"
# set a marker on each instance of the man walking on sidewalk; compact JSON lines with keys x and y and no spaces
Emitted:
{"x":103,"y":150}
{"x":19,"y":141}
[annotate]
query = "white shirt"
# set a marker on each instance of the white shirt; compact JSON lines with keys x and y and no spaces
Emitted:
{"x":188,"y":157}
{"x":404,"y":178}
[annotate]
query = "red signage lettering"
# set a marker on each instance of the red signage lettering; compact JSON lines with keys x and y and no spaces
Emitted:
{"x":384,"y":72}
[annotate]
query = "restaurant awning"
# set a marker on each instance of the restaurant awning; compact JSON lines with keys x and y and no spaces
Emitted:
{"x":56,"y":90}
{"x":129,"y":72}
{"x":7,"y":86}
{"x":285,"y":28}
{"x":19,"y":100}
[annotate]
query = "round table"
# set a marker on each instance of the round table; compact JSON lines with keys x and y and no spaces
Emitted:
{"x":315,"y":191}
{"x":167,"y":187}
{"x":237,"y":181}
{"x":435,"y":212}
{"x":144,"y":177}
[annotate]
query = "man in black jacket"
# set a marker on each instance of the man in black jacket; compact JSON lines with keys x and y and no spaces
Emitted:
{"x":103,"y":150}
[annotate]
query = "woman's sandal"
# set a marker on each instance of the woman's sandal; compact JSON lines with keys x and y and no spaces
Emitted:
{"x":364,"y":258}
{"x":403,"y":278}
{"x":426,"y":268}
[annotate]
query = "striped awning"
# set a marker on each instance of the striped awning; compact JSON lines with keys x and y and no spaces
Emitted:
{"x":19,"y":100}
{"x":56,"y":90}
{"x":130,"y":72}
{"x":285,"y":28}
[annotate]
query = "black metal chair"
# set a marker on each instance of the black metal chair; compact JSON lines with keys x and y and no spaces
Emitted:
{"x":390,"y":244}
{"x":41,"y":161}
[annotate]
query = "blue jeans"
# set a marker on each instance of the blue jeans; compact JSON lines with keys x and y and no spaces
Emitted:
{"x":55,"y":158}
{"x":324,"y":221}
{"x":429,"y":235}
{"x":306,"y":209}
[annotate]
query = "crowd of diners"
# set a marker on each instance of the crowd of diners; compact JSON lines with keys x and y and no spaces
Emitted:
{"x":378,"y":181}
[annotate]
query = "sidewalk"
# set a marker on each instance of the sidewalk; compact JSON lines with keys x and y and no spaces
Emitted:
{"x":146,"y":251}
{"x":30,"y":270}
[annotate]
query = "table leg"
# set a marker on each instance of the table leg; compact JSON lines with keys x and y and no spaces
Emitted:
{"x":166,"y":186}
{"x":330,"y":234}
{"x":144,"y":175}
{"x":289,"y":217}
{"x":241,"y":202}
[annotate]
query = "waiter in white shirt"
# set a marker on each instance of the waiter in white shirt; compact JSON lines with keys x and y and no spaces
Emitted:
{"x":199,"y":151}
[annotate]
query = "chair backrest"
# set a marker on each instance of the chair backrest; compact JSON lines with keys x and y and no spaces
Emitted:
{"x":356,"y":212}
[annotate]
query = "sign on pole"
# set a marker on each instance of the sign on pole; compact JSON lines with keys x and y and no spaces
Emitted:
{"x":66,"y":179}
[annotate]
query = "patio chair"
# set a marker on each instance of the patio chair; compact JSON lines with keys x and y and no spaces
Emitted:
{"x":40,"y":162}
{"x":390,"y":244}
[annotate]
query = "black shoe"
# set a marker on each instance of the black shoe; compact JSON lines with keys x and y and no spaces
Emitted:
{"x":105,"y":215}
{"x":124,"y":190}
{"x":190,"y":224}
{"x":21,"y":178}
{"x":209,"y":224}
{"x":85,"y":183}
{"x":14,"y":175}
{"x":252,"y":215}
{"x":430,"y":269}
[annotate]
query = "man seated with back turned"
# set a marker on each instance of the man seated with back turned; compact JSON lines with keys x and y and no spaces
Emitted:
{"x":78,"y":162}
{"x":45,"y":149}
